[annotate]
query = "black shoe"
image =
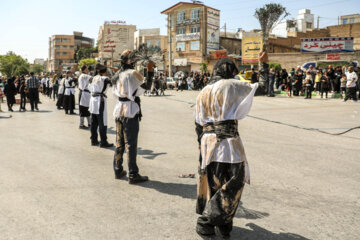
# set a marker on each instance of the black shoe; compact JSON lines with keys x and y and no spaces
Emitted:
{"x":10,"y":110}
{"x":32,"y":110}
{"x":137,"y":178}
{"x":203,"y":234}
{"x":24,"y":109}
{"x":83,"y":127}
{"x":120,"y":175}
{"x":106,"y":145}
{"x":95,"y":143}
{"x":36,"y":109}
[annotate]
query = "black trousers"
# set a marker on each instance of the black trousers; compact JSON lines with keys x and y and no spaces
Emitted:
{"x":308,"y":90}
{"x":34,"y":97}
{"x":55,"y":92}
{"x":49,"y":92}
{"x":127,"y":130}
{"x":97,"y":122}
{"x":271,"y":88}
{"x":351,"y":93}
{"x":22,"y":101}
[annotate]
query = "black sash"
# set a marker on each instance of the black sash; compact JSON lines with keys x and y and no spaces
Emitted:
{"x":223,"y":129}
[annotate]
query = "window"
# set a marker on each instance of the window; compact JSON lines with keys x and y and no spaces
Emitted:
{"x":180,"y":30}
{"x":181,"y":16}
{"x":308,"y":25}
{"x":157,"y":43}
{"x":57,"y":47}
{"x":148,"y":43}
{"x":345,"y":21}
{"x":180,"y":46}
{"x":64,"y":46}
{"x":64,"y":53}
{"x":195,"y":45}
{"x":195,"y":29}
{"x":57,"y":53}
{"x":352,"y":20}
{"x":195,"y":13}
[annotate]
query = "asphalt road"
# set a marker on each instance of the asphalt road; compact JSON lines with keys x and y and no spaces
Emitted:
{"x":304,"y":184}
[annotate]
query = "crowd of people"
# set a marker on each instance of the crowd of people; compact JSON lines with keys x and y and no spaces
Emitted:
{"x":338,"y":80}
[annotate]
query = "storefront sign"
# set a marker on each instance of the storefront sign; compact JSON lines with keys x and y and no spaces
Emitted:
{"x":180,"y":62}
{"x":333,"y":57}
{"x":251,"y":47}
{"x":195,"y":60}
{"x":217,"y":54}
{"x":343,"y":44}
{"x":188,"y":37}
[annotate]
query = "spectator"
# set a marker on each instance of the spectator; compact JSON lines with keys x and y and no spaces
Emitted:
{"x":271,"y":83}
{"x":10,"y":92}
{"x":351,"y":79}
{"x":254,"y":76}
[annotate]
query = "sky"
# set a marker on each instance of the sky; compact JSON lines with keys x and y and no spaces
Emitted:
{"x":26,"y":25}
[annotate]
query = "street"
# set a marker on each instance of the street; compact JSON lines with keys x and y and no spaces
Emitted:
{"x":304,"y":184}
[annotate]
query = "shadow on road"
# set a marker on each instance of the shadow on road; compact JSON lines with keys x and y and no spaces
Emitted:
{"x":246,"y":213}
{"x":148,"y":154}
{"x":259,"y":233}
{"x":177,"y":189}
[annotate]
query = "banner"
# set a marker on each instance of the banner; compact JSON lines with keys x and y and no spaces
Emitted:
{"x":343,"y":44}
{"x":213,"y":30}
{"x":251,"y":47}
{"x":188,"y":36}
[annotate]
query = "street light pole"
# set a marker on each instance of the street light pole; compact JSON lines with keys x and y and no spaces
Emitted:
{"x":170,"y":45}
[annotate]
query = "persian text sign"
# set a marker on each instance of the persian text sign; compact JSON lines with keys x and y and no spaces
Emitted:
{"x":343,"y":44}
{"x":213,"y":30}
{"x":188,"y":37}
{"x":251,"y":47}
{"x":333,"y":57}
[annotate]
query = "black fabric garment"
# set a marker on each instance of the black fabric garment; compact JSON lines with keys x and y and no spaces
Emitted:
{"x":84,"y":111}
{"x":55,"y":92}
{"x":271,"y":84}
{"x":351,"y":94}
{"x":97,"y":122}
{"x":10,"y":91}
{"x":69,"y":103}
{"x":127,"y":130}
{"x":254,"y":77}
{"x":324,"y":86}
{"x":34,"y":97}
{"x":223,"y":129}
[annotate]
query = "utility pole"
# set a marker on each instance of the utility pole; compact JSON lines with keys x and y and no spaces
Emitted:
{"x":318,"y":19}
{"x":170,"y":44}
{"x":225,"y":29}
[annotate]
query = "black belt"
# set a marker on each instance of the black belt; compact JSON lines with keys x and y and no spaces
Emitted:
{"x":85,"y":90}
{"x":98,"y":95}
{"x":124,"y":99}
{"x":69,"y":87}
{"x":222,"y":129}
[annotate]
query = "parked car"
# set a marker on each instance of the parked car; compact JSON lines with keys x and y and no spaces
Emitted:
{"x":171,"y":82}
{"x":242,"y":78}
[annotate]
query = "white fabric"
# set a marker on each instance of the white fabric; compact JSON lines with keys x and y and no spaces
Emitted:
{"x":69,"y":91}
{"x":83,"y":85}
{"x":97,"y":86}
{"x":43,"y":81}
{"x":61,"y":86}
{"x":129,"y":81}
{"x":224,"y":100}
{"x":349,"y":77}
{"x":51,"y":84}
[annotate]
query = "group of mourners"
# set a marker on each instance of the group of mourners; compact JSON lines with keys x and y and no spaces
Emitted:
{"x":340,"y":80}
{"x":223,"y":168}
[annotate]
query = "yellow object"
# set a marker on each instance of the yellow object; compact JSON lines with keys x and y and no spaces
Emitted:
{"x":241,"y":78}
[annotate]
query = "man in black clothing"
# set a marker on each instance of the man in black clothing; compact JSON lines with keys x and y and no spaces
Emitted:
{"x":254,"y":76}
{"x":22,"y":92}
{"x":32,"y":85}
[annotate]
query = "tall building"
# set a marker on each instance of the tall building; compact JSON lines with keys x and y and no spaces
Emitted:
{"x":62,"y":49}
{"x":113,"y":39}
{"x":304,"y":22}
{"x":152,"y":39}
{"x":193,"y":31}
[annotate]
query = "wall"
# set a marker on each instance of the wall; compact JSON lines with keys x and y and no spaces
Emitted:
{"x":232,"y":45}
{"x":291,"y":60}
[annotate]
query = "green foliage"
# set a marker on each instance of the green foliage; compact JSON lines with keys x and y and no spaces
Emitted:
{"x":87,"y":62}
{"x":82,"y":53}
{"x":204,"y":67}
{"x":11,"y":64}
{"x":37,"y":69}
{"x":275,"y":65}
{"x":268,"y":15}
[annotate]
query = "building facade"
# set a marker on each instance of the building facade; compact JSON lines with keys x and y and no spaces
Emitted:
{"x":113,"y":39}
{"x":193,"y":31}
{"x":62,"y":49}
{"x":347,"y":19}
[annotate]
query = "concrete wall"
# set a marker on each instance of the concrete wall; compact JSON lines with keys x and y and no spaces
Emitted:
{"x":291,"y":60}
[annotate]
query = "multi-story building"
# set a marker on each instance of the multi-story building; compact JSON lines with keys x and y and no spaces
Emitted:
{"x":152,"y":39}
{"x":62,"y":49}
{"x":353,"y":18}
{"x":113,"y":39}
{"x":304,"y":22}
{"x":193,"y":31}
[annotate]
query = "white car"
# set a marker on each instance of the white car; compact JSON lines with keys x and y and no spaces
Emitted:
{"x":171,"y":82}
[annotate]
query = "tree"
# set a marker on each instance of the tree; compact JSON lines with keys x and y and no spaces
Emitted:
{"x":11,"y":64}
{"x":268,"y":15}
{"x":87,"y":62}
{"x":82,"y":53}
{"x":37,"y":68}
{"x":204,"y":67}
{"x":275,"y":65}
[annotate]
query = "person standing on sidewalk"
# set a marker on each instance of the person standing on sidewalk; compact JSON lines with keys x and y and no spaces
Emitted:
{"x":22,"y":92}
{"x":69,"y":94}
{"x":10,"y":92}
{"x":351,"y":79}
{"x":84,"y":97}
{"x":98,"y":107}
{"x":32,"y":85}
{"x":129,"y":85}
